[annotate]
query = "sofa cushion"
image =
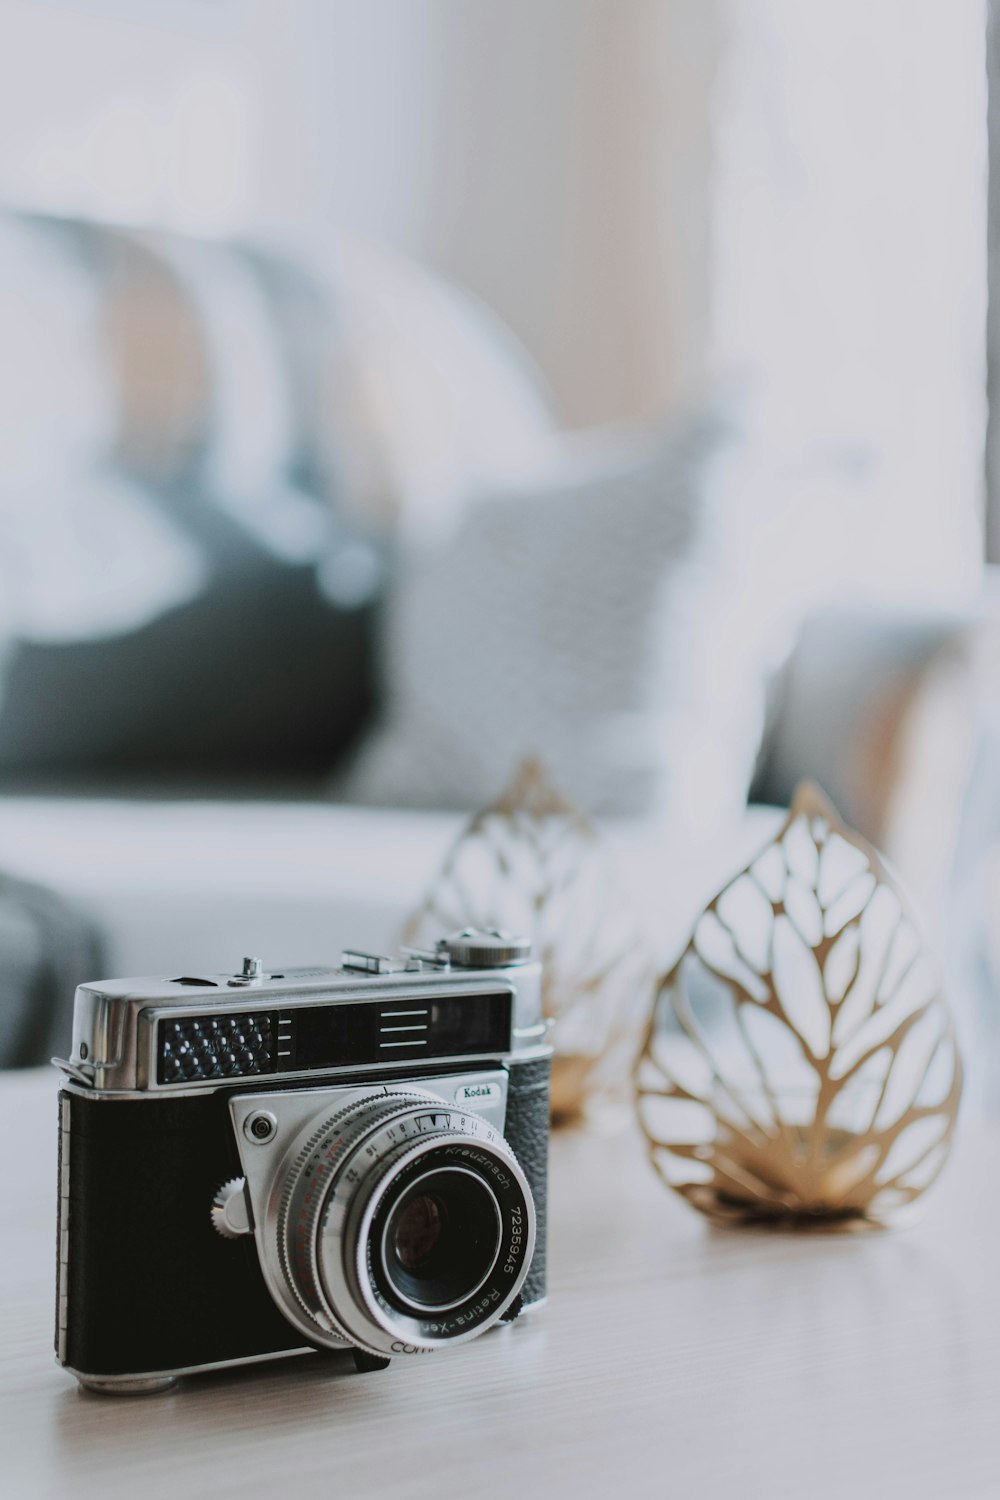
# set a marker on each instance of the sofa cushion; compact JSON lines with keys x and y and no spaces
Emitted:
{"x":181,"y":591}
{"x":203,"y":439}
{"x":597,"y":619}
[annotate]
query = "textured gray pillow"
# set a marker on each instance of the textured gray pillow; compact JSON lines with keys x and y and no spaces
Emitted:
{"x":559,"y":622}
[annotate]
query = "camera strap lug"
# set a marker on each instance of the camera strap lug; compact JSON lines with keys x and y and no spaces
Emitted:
{"x":84,"y":1073}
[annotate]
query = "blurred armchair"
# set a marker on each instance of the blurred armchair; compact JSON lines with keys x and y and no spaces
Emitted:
{"x":883,"y":709}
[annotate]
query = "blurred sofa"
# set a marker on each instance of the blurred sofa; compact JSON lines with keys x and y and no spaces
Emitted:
{"x":224,"y":468}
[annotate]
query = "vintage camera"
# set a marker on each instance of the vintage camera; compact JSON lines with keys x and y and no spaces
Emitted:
{"x":259,"y":1164}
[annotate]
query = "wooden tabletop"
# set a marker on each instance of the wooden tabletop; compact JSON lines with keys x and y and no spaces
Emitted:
{"x":671,"y":1360}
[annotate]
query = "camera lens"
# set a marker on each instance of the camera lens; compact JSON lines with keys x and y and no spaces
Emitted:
{"x":439,"y":1241}
{"x":401,"y":1223}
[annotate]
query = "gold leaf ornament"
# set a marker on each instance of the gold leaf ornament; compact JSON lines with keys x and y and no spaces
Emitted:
{"x":800,"y":1065}
{"x":531,"y":862}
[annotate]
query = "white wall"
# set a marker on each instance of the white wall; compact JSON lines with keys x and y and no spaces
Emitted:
{"x":645,"y":190}
{"x":849,"y":217}
{"x":551,"y":155}
{"x":137,"y":111}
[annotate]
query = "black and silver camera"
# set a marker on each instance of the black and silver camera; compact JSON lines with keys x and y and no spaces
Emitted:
{"x":258,"y":1164}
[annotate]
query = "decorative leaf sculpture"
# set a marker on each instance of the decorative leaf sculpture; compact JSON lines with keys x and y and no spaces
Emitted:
{"x":799,"y":1065}
{"x":532,"y":863}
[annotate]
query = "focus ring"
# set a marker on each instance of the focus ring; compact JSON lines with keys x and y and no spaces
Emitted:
{"x":304,"y":1195}
{"x":349,"y":1168}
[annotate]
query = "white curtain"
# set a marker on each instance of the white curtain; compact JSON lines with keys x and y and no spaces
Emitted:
{"x":850,"y":264}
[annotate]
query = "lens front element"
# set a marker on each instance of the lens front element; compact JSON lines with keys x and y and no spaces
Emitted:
{"x":439,"y":1242}
{"x":415,"y":1232}
{"x":403,"y":1224}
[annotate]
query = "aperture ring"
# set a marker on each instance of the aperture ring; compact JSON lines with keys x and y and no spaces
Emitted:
{"x":303,"y":1198}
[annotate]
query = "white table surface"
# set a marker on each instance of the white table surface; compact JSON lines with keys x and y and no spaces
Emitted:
{"x":671,"y":1360}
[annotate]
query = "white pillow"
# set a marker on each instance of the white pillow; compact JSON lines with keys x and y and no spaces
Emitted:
{"x":428,"y":396}
{"x":83,"y":552}
{"x":585,"y":622}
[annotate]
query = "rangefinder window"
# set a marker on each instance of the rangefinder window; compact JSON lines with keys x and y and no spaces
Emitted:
{"x":208,"y":1047}
{"x":329,"y":1036}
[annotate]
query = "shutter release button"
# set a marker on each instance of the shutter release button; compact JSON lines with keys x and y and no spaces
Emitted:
{"x":252,"y":969}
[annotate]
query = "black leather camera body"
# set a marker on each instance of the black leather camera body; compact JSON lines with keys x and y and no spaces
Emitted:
{"x":261,"y":1164}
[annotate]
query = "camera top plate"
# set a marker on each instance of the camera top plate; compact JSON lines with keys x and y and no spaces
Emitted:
{"x":156,"y":1036}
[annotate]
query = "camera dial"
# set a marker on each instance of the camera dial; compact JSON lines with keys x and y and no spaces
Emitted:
{"x":229,"y":1210}
{"x":486,"y":948}
{"x":399,"y":1224}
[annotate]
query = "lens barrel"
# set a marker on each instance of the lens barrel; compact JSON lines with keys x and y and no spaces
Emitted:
{"x":403,"y":1224}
